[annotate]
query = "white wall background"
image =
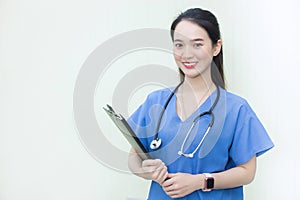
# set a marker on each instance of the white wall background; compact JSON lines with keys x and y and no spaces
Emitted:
{"x":43,"y":45}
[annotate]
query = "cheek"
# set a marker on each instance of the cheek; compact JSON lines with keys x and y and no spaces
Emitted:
{"x":204,"y":55}
{"x":176,"y":56}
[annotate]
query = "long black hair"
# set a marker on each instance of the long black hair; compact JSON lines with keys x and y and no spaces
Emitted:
{"x":207,"y":21}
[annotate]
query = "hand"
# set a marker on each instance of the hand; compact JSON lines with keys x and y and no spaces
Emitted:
{"x":154,"y":170}
{"x":181,"y":184}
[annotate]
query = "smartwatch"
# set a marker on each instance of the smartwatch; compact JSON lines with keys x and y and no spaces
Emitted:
{"x":209,"y":182}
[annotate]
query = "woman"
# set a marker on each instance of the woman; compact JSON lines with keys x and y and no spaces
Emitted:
{"x":204,"y":141}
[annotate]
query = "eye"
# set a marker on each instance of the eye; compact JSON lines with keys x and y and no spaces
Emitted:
{"x":178,"y":45}
{"x":198,"y":45}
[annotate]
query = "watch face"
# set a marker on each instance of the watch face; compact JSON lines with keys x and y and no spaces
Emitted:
{"x":210,"y":183}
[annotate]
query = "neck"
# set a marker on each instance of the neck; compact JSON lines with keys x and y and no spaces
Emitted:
{"x":199,"y":84}
{"x":191,"y":94}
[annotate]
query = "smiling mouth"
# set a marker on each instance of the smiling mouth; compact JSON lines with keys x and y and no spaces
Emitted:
{"x":189,"y":65}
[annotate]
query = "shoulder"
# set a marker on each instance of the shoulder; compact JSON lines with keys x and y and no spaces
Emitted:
{"x":234,"y":98}
{"x":155,"y":99}
{"x":237,"y":104}
{"x":159,"y":95}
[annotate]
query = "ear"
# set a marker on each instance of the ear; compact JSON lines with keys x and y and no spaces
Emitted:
{"x":217,"y":47}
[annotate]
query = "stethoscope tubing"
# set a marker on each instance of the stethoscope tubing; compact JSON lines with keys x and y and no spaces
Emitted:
{"x":156,"y":143}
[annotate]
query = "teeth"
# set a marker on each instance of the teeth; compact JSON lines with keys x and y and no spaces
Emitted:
{"x":189,"y":64}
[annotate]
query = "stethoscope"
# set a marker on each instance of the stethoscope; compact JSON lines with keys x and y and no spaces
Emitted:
{"x":156,"y":142}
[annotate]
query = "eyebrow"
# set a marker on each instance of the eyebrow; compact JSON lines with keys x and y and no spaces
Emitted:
{"x":192,"y":40}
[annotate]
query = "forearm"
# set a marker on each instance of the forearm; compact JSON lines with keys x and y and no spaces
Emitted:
{"x":235,"y":177}
{"x":151,"y":169}
{"x":135,"y":163}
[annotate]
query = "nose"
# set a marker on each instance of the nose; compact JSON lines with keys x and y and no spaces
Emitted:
{"x":187,"y":52}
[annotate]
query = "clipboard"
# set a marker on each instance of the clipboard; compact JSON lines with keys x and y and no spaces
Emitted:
{"x":127,"y":132}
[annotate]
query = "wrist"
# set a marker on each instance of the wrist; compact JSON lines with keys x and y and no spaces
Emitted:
{"x":208,"y":183}
{"x":200,"y":178}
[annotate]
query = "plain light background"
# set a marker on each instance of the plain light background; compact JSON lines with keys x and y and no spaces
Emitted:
{"x":43,"y":45}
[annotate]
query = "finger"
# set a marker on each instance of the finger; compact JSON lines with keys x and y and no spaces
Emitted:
{"x":149,"y":169}
{"x":175,"y":196}
{"x":152,"y":165}
{"x":162,"y":175}
{"x":159,"y":172}
{"x":170,"y":189}
{"x":159,"y":165}
{"x":174,"y":192}
{"x":165,"y":177}
{"x":151,"y":162}
{"x":168,"y":182}
{"x":170,"y":175}
{"x":132,"y":150}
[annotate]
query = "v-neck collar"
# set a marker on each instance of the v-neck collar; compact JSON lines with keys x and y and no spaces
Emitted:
{"x":205,"y":106}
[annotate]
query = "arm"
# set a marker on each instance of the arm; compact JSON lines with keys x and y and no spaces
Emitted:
{"x":151,"y":169}
{"x":180,"y":184}
{"x":237,"y":176}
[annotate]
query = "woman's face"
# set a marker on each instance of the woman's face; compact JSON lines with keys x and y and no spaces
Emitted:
{"x":193,"y":50}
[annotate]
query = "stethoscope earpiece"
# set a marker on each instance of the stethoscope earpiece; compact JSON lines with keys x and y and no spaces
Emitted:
{"x":155,"y":144}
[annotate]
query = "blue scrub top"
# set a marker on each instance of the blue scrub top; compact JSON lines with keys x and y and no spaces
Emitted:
{"x":236,"y":136}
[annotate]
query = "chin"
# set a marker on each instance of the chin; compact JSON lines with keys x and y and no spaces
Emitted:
{"x":191,"y":73}
{"x":193,"y":76}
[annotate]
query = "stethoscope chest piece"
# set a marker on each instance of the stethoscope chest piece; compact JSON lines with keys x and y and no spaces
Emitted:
{"x":155,"y":144}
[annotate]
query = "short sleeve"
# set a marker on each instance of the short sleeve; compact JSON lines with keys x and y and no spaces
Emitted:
{"x":250,"y":137}
{"x":138,"y":123}
{"x":144,"y":120}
